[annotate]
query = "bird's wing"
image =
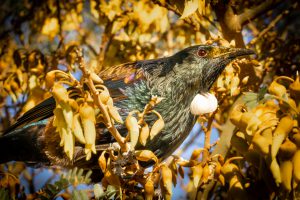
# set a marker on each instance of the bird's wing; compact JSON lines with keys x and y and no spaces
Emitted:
{"x":41,"y":111}
{"x":119,"y":77}
{"x":116,"y":78}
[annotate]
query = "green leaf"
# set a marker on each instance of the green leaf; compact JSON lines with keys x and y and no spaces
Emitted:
{"x":79,"y":195}
{"x":87,"y":178}
{"x":74,"y":176}
{"x":98,"y":191}
{"x":4,"y":194}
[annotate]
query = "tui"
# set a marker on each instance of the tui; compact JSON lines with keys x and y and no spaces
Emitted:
{"x":177,"y":79}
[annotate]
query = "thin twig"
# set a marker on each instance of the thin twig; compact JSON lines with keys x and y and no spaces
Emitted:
{"x":106,"y":39}
{"x":207,"y":132}
{"x":60,"y":24}
{"x":272,"y":24}
{"x":250,"y":14}
{"x":110,"y":126}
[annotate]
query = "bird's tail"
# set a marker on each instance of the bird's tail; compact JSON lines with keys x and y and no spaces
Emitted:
{"x":23,"y":145}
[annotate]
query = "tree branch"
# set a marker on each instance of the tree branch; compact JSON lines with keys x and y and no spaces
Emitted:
{"x":190,"y":20}
{"x":273,"y":23}
{"x":250,"y":14}
{"x":105,"y":42}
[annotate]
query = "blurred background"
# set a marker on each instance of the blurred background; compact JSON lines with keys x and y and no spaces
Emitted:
{"x":39,"y":36}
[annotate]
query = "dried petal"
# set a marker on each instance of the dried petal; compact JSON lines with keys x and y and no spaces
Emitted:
{"x":102,"y":161}
{"x":145,"y":155}
{"x":112,"y":178}
{"x":196,"y":153}
{"x":181,"y":171}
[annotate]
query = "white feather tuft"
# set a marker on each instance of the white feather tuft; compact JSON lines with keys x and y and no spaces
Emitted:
{"x":203,"y":103}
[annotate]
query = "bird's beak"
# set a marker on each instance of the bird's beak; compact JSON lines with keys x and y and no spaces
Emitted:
{"x":236,"y":52}
{"x":221,"y":57}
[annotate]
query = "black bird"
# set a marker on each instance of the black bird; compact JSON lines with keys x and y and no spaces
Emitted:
{"x":177,"y":79}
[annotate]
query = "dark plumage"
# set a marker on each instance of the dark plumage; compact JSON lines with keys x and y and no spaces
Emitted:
{"x":177,"y":79}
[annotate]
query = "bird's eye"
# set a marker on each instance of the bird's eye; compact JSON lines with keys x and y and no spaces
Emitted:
{"x":201,"y":53}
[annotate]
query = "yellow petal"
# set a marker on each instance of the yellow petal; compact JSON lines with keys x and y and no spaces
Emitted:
{"x":284,"y":127}
{"x":60,"y":93}
{"x":296,"y":166}
{"x":196,"y":153}
{"x":275,"y":170}
{"x":133,"y":128}
{"x":104,"y":96}
{"x":149,"y":190}
{"x":60,"y":124}
{"x":87,"y":112}
{"x":286,"y":171}
{"x":166,"y":182}
{"x":205,"y":173}
{"x":277,"y":89}
{"x":96,"y":78}
{"x":69,"y":144}
{"x":90,"y":136}
{"x":196,"y":174}
{"x":145,"y":131}
{"x":87,"y":116}
{"x":190,"y":7}
{"x":113,"y":112}
{"x":102,"y":161}
{"x":77,"y":129}
{"x":145,"y":155}
{"x":68,"y":114}
{"x":50,"y":79}
{"x":156,"y":128}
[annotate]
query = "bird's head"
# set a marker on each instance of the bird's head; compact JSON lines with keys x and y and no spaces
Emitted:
{"x":199,"y":66}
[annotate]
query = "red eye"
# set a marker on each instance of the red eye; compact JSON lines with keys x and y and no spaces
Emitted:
{"x":201,"y":53}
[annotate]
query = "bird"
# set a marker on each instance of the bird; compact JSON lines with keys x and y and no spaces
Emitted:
{"x":177,"y":79}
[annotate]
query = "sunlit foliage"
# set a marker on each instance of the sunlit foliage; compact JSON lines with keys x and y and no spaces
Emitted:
{"x":46,"y":45}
